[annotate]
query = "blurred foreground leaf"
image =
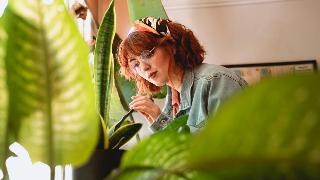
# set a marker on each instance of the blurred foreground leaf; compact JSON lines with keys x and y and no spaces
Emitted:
{"x":177,"y":124}
{"x":269,"y":131}
{"x":3,"y":99}
{"x":51,"y":98}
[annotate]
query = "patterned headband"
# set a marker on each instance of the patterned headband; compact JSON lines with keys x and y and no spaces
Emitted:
{"x":150,"y":24}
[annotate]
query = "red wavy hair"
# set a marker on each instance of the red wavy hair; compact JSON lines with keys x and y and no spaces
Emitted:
{"x":188,"y":52}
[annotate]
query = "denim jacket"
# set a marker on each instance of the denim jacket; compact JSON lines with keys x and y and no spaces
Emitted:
{"x":203,"y":90}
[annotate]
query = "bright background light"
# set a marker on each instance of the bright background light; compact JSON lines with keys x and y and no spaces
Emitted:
{"x":20,"y":166}
{"x":1,"y":174}
{"x":3,"y":5}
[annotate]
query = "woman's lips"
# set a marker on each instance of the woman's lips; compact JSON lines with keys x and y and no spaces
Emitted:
{"x":152,"y":75}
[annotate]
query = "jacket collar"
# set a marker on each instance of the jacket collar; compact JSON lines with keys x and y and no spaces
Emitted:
{"x":185,"y":95}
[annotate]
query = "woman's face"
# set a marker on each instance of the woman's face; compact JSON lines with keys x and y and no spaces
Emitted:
{"x":152,"y":65}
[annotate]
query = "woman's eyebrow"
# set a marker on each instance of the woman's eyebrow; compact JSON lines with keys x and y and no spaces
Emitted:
{"x":131,"y":59}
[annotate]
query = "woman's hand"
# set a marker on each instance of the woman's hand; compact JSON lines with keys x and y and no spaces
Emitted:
{"x":146,"y":107}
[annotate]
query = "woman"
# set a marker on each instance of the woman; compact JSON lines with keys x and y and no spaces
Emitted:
{"x":160,"y":52}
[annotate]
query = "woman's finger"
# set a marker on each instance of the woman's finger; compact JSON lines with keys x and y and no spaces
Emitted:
{"x":137,"y":98}
{"x":153,"y":112}
{"x":142,"y":102}
{"x":145,"y":106}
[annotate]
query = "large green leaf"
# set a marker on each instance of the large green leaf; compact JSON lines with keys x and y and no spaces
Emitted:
{"x":3,"y":99}
{"x":51,"y":98}
{"x":142,"y":8}
{"x":163,"y":154}
{"x":269,"y":131}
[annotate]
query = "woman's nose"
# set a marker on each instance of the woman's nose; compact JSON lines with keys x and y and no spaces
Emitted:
{"x":144,"y":66}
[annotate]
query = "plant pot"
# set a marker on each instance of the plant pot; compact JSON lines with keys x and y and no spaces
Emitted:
{"x":100,"y":165}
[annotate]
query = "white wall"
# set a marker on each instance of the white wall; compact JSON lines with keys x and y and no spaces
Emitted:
{"x":252,"y":31}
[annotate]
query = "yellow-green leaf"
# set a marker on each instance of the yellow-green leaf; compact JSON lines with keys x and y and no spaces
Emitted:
{"x":51,"y":97}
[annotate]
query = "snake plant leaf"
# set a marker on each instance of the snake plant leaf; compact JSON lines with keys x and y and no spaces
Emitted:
{"x":117,"y":106}
{"x":122,"y":120}
{"x":3,"y":100}
{"x":104,"y":133}
{"x":103,"y":63}
{"x":123,"y":135}
{"x":163,"y":154}
{"x":270,"y":131}
{"x":142,"y":8}
{"x":51,"y":98}
{"x":106,"y":84}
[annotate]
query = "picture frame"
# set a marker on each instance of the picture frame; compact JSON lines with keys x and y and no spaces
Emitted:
{"x":253,"y":73}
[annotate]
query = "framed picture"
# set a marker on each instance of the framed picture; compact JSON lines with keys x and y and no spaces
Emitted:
{"x":253,"y":73}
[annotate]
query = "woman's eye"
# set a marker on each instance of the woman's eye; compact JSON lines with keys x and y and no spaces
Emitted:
{"x":149,"y":55}
{"x":134,"y":64}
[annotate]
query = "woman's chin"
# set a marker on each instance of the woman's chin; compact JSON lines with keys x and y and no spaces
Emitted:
{"x":159,"y":84}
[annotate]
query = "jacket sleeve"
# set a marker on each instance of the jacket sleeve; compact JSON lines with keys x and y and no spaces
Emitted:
{"x":164,"y":118}
{"x":161,"y":122}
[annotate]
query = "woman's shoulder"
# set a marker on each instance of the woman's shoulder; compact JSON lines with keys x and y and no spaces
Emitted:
{"x":216,"y":73}
{"x":213,"y":71}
